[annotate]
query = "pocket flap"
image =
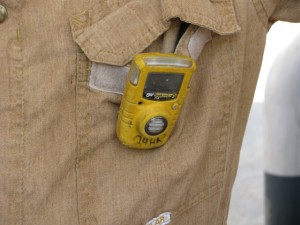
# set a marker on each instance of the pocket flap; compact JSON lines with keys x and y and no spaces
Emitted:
{"x":215,"y":15}
{"x":120,"y":34}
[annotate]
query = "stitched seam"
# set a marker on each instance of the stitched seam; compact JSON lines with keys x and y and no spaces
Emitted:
{"x":82,"y":138}
{"x":224,"y":129}
{"x":261,"y":12}
{"x":78,"y":131}
{"x":223,"y":134}
{"x":22,"y":83}
{"x":23,"y":141}
{"x":16,"y":89}
{"x":227,"y":117}
{"x":230,"y":127}
{"x":77,"y":139}
{"x":224,"y":121}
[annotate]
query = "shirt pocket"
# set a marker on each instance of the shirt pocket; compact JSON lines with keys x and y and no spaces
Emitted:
{"x":118,"y":185}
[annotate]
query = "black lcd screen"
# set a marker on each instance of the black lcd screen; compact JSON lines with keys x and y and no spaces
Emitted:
{"x":162,"y":86}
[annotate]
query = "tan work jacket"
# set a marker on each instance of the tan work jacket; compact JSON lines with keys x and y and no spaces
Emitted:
{"x":60,"y":160}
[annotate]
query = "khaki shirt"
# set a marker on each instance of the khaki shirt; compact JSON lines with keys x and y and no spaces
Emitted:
{"x":60,"y":160}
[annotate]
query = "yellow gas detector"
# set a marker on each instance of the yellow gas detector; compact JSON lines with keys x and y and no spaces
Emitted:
{"x":156,"y":88}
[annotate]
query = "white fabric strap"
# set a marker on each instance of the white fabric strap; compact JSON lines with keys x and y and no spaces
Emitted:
{"x":198,"y":41}
{"x":108,"y":78}
{"x":112,"y":79}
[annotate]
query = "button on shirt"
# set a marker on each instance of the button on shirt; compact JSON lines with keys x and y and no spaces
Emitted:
{"x":3,"y":13}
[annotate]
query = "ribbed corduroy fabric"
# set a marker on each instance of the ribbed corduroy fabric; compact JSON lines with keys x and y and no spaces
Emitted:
{"x":60,"y":160}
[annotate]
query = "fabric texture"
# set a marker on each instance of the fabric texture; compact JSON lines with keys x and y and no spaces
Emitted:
{"x":60,"y":160}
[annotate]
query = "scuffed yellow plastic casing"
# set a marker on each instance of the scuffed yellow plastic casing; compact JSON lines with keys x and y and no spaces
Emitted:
{"x":135,"y":110}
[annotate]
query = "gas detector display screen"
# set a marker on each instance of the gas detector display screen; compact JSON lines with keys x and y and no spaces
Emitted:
{"x":162,"y":86}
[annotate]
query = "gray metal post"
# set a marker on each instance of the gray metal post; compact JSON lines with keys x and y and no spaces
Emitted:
{"x":282,"y":139}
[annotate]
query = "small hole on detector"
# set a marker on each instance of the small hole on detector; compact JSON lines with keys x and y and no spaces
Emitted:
{"x":140,"y":103}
